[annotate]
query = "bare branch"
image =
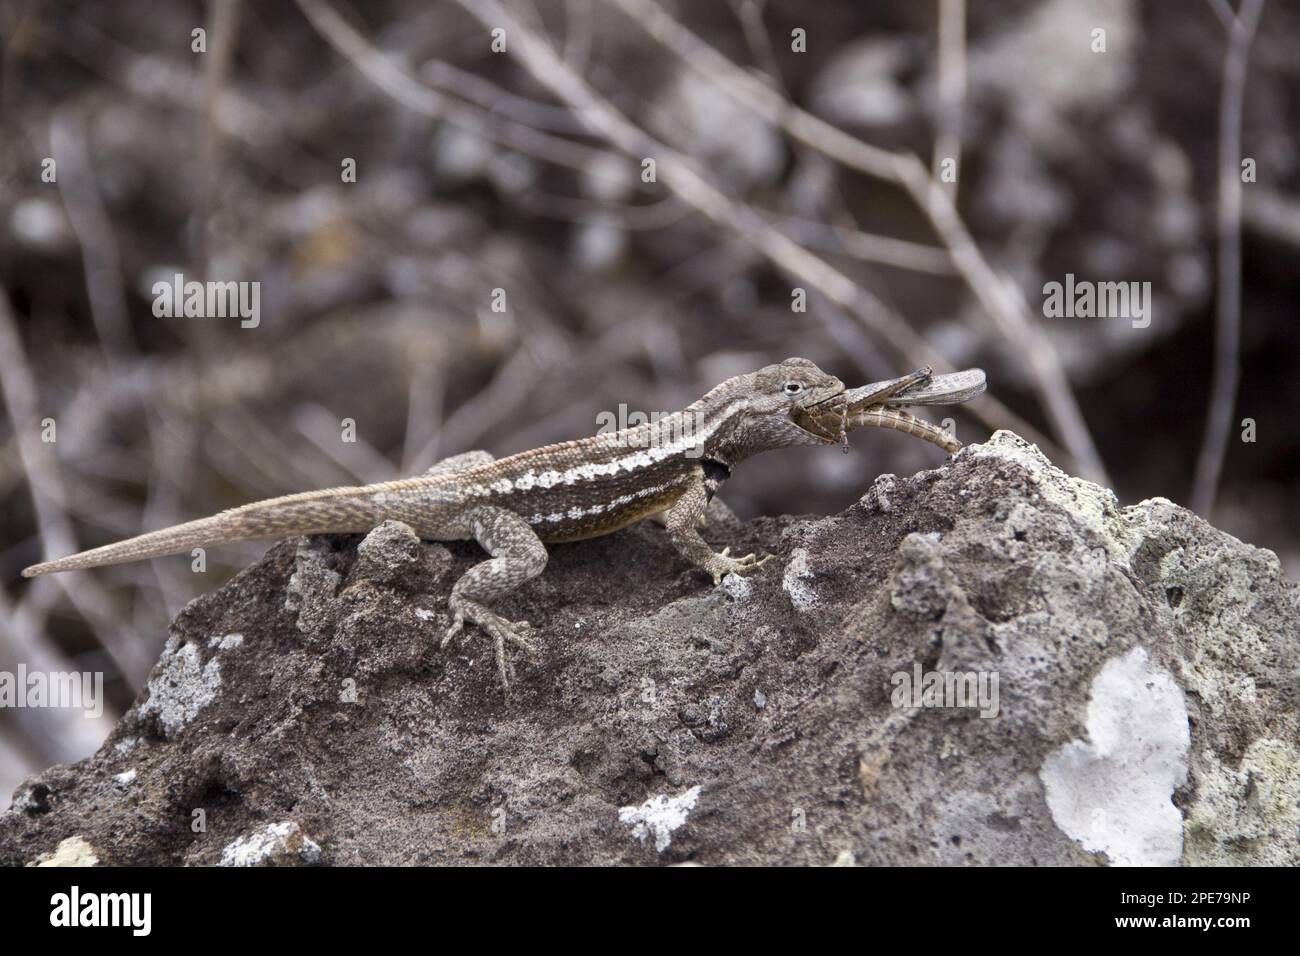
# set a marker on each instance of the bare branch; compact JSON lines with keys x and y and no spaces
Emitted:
{"x":868,"y":247}
{"x":1227,"y":338}
{"x":224,"y":27}
{"x":18,"y":388}
{"x":1223,"y":10}
{"x":394,"y":80}
{"x":474,"y":89}
{"x":358,"y":458}
{"x":94,"y":232}
{"x":952,"y":88}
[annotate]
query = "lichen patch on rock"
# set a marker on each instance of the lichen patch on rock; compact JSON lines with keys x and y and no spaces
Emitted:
{"x":658,"y":817}
{"x":1112,"y":792}
{"x":181,"y":686}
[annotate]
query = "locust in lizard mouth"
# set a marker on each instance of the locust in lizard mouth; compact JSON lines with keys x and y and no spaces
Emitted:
{"x":881,"y":404}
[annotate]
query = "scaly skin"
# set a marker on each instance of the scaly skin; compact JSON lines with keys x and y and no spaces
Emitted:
{"x":564,"y":492}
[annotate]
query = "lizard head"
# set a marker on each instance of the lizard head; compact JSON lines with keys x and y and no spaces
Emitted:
{"x":784,"y":405}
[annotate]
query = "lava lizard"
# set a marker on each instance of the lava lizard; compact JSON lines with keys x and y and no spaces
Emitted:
{"x":668,"y":468}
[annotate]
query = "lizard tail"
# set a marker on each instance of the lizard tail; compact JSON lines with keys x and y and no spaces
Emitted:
{"x":333,"y":511}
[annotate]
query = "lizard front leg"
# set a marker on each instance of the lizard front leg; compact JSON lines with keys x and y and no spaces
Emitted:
{"x":683,"y":532}
{"x":518,"y":555}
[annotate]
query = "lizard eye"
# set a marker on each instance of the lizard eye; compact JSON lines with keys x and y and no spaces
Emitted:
{"x":793,"y":388}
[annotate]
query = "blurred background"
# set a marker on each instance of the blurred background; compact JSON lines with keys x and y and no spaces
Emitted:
{"x":793,"y":148}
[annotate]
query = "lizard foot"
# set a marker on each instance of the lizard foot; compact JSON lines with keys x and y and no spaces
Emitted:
{"x":501,"y":631}
{"x":723,"y":564}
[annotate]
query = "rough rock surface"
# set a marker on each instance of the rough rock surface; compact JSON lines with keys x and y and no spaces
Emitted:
{"x":1147,"y":672}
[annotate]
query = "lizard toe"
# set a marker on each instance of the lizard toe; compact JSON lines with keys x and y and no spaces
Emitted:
{"x":457,"y":624}
{"x":503,"y":632}
{"x":505,"y":670}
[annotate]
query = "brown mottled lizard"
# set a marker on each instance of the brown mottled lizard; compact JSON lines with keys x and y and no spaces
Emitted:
{"x":669,"y":467}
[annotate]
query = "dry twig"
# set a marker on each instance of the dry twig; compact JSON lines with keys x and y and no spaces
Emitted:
{"x":952,"y":88}
{"x":1227,"y":326}
{"x":18,"y":387}
{"x":398,"y":83}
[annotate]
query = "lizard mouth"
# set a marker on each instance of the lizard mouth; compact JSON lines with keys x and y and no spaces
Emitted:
{"x":825,"y":419}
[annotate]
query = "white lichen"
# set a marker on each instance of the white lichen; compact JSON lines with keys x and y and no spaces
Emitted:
{"x":1112,"y":792}
{"x":659,"y":816}
{"x":794,"y":581}
{"x":737,"y":588}
{"x":126,"y":778}
{"x":183,"y":686}
{"x":277,"y":844}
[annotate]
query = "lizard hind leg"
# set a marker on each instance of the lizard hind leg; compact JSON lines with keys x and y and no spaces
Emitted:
{"x":518,"y":555}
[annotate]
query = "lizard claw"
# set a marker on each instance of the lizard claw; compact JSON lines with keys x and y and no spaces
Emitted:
{"x":457,"y":624}
{"x":501,"y":631}
{"x":505,"y":632}
{"x":725,"y":564}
